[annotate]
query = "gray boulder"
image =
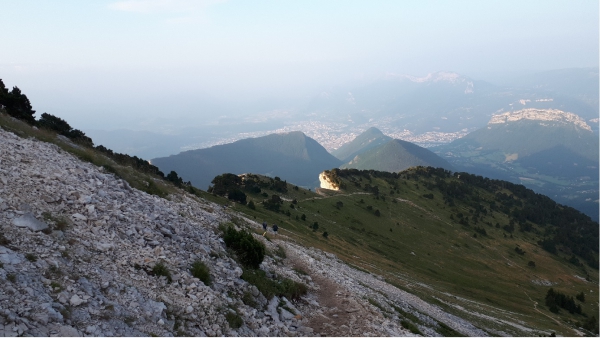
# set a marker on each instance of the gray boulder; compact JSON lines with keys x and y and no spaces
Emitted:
{"x":27,"y":220}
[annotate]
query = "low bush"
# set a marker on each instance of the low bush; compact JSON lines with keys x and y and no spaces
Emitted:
{"x":234,"y":320}
{"x":410,"y":326}
{"x":447,"y":331}
{"x":291,"y":289}
{"x":280,"y":252}
{"x":519,"y":251}
{"x":60,"y":223}
{"x":201,"y":271}
{"x":249,"y":251}
{"x":160,"y":269}
{"x":56,"y":287}
{"x":268,"y":287}
{"x":248,"y":299}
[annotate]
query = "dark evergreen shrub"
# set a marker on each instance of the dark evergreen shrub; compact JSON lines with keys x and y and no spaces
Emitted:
{"x":250,"y":252}
{"x":160,"y":269}
{"x":201,"y":271}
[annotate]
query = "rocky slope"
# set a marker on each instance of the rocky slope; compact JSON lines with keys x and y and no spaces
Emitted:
{"x":77,"y":245}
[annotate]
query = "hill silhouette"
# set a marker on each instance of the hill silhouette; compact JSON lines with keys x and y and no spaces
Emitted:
{"x":292,"y":155}
{"x":369,"y":139}
{"x":528,"y":137}
{"x":395,"y":156}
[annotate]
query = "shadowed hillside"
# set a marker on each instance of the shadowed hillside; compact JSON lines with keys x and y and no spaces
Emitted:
{"x":395,"y":156}
{"x":550,"y":151}
{"x":293,"y":155}
{"x":369,"y":139}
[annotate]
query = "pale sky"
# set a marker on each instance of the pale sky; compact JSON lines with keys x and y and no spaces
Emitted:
{"x":100,"y":64}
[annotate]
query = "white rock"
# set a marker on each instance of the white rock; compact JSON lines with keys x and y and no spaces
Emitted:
{"x":79,"y":216}
{"x":75,"y":300}
{"x":104,"y":246}
{"x":285,"y":315}
{"x":29,"y":221}
{"x":68,"y":331}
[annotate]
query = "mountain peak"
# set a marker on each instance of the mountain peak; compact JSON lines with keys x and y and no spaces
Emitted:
{"x":292,"y":133}
{"x":372,"y":131}
{"x":395,"y":156}
{"x":368,"y":139}
{"x":548,"y":115}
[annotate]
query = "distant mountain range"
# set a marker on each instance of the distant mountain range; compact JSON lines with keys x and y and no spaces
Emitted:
{"x":550,"y":151}
{"x":297,"y":158}
{"x":445,"y":104}
{"x":292,"y":156}
{"x":406,"y":102}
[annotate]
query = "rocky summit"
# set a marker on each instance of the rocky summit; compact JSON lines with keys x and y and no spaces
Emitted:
{"x":77,"y":248}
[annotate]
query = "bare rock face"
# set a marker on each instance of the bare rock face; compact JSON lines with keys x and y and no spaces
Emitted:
{"x":326,"y":183}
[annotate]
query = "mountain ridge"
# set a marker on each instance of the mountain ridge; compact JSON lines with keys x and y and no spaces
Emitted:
{"x":550,"y":151}
{"x":368,"y":139}
{"x":533,"y":114}
{"x":395,"y":156}
{"x":294,"y":155}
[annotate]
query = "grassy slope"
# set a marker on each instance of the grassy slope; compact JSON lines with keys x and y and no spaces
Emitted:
{"x":482,"y":274}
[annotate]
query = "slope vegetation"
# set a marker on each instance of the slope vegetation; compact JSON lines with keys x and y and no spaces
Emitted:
{"x":481,"y":249}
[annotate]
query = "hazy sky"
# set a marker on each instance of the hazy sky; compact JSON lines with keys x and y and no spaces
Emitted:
{"x":107,"y":63}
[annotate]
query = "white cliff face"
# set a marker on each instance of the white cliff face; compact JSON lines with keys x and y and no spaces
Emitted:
{"x":541,"y":115}
{"x":326,"y":184}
